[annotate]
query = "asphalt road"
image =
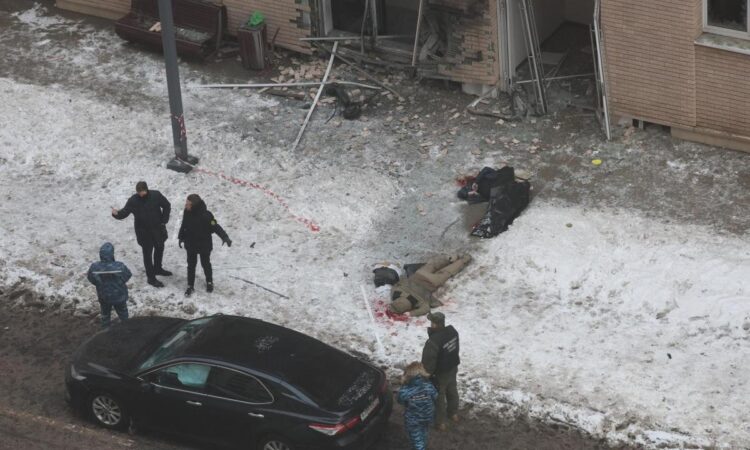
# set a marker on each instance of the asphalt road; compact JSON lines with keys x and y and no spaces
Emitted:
{"x":35,"y":345}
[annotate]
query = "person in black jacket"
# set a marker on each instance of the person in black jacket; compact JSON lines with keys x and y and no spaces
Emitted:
{"x":151,"y":210}
{"x":198,"y":224}
{"x":440,"y":359}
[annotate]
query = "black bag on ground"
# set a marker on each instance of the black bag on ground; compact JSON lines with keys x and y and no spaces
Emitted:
{"x":506,"y":203}
{"x":385,"y":275}
{"x":487,"y":179}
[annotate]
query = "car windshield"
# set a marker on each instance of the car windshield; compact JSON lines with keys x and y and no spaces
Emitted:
{"x":173,"y":344}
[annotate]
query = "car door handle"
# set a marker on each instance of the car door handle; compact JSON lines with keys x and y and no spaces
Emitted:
{"x":194,"y":403}
{"x":259,"y":416}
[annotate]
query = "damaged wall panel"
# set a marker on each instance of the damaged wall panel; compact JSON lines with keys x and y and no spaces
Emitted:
{"x":473,"y":52}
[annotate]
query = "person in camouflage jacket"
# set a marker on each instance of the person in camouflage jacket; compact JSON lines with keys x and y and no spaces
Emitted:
{"x":418,"y":395}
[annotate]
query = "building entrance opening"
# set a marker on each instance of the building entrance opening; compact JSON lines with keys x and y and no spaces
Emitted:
{"x":552,"y":55}
{"x":565,"y":55}
{"x":390,"y":18}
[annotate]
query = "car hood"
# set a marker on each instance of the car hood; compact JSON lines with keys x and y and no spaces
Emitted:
{"x":123,"y":345}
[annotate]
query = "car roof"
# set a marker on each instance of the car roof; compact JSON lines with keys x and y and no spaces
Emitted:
{"x":252,"y":343}
{"x":321,"y":371}
{"x":227,"y":338}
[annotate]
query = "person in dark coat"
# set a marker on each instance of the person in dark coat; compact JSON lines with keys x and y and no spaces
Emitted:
{"x":440,"y":359}
{"x":109,"y":277}
{"x":151,"y":211}
{"x":418,"y":395}
{"x":198,"y":225}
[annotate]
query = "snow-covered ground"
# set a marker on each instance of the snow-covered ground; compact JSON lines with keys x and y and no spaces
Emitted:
{"x":630,"y":328}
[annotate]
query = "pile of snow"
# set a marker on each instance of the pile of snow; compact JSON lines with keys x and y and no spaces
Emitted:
{"x":630,"y":329}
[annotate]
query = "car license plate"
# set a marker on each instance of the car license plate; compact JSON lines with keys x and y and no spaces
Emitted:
{"x":369,"y":409}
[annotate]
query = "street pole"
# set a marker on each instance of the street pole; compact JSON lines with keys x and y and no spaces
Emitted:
{"x":182,"y":162}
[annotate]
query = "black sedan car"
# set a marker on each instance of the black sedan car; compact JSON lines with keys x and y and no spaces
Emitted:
{"x":229,"y":380}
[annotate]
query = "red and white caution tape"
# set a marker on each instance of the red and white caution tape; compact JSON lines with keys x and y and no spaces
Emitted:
{"x":310,"y":224}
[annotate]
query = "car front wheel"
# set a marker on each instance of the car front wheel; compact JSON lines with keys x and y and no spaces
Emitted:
{"x":274,"y":443}
{"x":108,"y":411}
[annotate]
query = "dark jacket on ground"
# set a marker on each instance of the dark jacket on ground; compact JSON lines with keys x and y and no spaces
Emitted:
{"x":198,"y":225}
{"x":418,"y":397}
{"x":440,"y":353}
{"x":110,"y":287}
{"x":151,"y":216}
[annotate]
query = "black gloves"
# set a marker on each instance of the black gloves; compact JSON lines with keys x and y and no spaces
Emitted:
{"x":180,"y":243}
{"x":227,"y":241}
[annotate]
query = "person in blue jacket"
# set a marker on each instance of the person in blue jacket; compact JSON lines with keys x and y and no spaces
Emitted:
{"x":418,"y":395}
{"x":109,"y":277}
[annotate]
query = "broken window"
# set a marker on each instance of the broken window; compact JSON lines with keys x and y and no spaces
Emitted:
{"x":348,"y":15}
{"x":728,"y":17}
{"x":394,"y":17}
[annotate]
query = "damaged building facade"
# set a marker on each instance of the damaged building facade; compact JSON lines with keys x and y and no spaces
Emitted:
{"x":678,"y":63}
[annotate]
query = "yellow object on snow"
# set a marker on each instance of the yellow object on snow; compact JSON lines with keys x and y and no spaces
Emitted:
{"x":596,"y":162}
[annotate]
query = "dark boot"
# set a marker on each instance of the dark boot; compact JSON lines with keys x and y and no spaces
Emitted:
{"x":155,"y":283}
{"x":163,"y":272}
{"x":210,"y":286}
{"x":189,"y":291}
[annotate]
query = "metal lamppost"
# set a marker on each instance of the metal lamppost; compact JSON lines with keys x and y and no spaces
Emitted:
{"x":182,"y":162}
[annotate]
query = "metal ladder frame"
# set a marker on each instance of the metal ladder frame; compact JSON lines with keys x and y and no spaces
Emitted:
{"x":533,"y":54}
{"x":602,"y":103}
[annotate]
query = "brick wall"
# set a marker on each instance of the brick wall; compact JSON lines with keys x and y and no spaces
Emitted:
{"x":476,"y":37}
{"x":475,"y":34}
{"x":286,"y":15}
{"x":723,"y":90}
{"x":291,"y":17}
{"x":650,"y":58}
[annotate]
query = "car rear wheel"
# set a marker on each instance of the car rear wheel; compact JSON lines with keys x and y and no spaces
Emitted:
{"x":108,"y":411}
{"x":274,"y":443}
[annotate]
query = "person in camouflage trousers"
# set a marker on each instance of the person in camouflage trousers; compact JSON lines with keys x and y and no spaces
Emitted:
{"x":413,"y":295}
{"x":418,"y":395}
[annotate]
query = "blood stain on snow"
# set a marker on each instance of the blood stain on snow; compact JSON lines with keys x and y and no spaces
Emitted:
{"x":386,"y":316}
{"x":465,"y":180}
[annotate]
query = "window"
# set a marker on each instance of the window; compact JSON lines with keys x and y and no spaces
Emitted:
{"x":191,"y":377}
{"x":172,"y":346}
{"x":237,"y":386}
{"x":727,"y":17}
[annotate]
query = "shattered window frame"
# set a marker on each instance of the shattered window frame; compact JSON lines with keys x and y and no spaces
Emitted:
{"x":726,"y":31}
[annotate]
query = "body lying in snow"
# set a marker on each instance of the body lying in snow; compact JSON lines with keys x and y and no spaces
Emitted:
{"x":414,"y":294}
